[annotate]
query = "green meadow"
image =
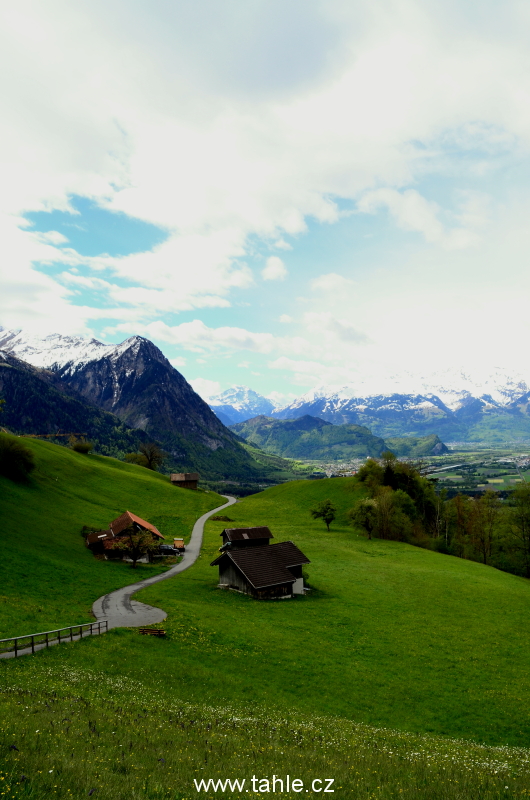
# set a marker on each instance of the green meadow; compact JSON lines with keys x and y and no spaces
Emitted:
{"x":49,"y":578}
{"x":402,"y":673}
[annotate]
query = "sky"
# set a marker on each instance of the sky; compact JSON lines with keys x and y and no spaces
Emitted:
{"x":278,"y":195}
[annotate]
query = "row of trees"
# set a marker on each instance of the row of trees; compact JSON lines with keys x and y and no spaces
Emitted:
{"x":402,"y":504}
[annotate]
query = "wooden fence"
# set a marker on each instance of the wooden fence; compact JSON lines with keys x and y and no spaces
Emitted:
{"x":20,"y":645}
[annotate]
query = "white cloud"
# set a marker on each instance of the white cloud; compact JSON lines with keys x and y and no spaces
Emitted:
{"x":331,"y":282}
{"x":275,"y":270}
{"x":178,"y":361}
{"x":234,"y":153}
{"x":285,"y":318}
{"x":326,"y":324}
{"x":205,"y":387}
{"x":412,"y":212}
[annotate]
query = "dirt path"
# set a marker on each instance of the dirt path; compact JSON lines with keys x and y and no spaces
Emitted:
{"x":121,"y":611}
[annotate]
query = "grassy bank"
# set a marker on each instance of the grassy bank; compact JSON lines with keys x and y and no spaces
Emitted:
{"x":75,"y":733}
{"x":49,"y":578}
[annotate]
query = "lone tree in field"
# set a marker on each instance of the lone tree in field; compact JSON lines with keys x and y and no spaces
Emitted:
{"x":136,"y":543}
{"x":151,"y":456}
{"x":326,"y":511}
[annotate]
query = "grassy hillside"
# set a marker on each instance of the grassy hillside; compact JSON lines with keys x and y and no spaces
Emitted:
{"x":391,"y":635}
{"x":49,"y":578}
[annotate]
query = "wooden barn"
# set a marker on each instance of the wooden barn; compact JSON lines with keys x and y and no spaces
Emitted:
{"x":186,"y":480}
{"x":245,"y":537}
{"x":263,"y":571}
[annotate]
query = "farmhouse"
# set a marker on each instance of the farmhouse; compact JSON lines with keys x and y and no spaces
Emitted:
{"x":186,"y":480}
{"x":129,"y":520}
{"x":102,"y":541}
{"x":264,"y":571}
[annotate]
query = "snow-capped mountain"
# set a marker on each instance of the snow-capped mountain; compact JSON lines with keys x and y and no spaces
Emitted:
{"x":54,"y":351}
{"x":136,"y":382}
{"x":450,"y":403}
{"x":240,"y":403}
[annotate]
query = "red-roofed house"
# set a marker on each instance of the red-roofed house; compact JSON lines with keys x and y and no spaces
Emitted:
{"x":130,"y":520}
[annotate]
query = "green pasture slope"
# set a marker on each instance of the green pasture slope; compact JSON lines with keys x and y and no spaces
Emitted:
{"x":391,"y":635}
{"x":49,"y":578}
{"x":388,"y":676}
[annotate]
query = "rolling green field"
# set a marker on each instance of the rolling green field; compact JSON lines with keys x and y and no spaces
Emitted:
{"x":49,"y":578}
{"x":403,"y":673}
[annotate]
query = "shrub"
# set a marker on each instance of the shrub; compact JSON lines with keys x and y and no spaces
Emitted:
{"x":16,"y":459}
{"x":82,"y":447}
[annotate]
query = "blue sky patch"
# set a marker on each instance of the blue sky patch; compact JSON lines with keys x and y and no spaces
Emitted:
{"x":94,"y":231}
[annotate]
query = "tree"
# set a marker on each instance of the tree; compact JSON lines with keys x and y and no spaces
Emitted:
{"x":136,"y":543}
{"x":325,"y":510}
{"x":484,"y":523}
{"x":16,"y":459}
{"x":151,"y":456}
{"x":519,"y":521}
{"x":364,"y":516}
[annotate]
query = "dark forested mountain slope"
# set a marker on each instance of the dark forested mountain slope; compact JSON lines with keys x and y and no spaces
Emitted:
{"x":309,"y":437}
{"x":138,"y":384}
{"x":37,"y":402}
{"x":314,"y":438}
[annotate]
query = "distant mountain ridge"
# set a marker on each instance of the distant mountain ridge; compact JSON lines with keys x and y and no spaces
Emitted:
{"x":240,"y":403}
{"x":313,"y":438}
{"x":136,"y":382}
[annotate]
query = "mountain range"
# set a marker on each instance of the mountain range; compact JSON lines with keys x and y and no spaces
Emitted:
{"x":454,"y":405}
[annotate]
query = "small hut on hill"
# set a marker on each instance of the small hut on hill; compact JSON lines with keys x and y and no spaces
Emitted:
{"x":186,"y":480}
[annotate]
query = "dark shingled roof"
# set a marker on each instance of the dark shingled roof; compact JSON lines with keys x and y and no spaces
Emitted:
{"x":267,"y":565}
{"x":238,"y":534}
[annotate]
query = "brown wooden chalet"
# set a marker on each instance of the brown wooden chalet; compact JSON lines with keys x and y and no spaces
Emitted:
{"x":102,"y":541}
{"x":186,"y":480}
{"x":261,"y":570}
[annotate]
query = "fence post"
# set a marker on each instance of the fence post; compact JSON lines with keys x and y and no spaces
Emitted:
{"x":47,"y":642}
{"x":33,"y":645}
{"x":16,"y":648}
{"x":99,"y":627}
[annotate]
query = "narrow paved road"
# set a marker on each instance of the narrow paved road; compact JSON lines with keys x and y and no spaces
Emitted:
{"x":122,"y":612}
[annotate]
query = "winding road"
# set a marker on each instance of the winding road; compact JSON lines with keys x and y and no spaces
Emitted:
{"x":122,"y":612}
{"x":119,"y":610}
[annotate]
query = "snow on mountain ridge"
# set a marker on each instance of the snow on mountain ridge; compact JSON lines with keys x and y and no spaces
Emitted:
{"x":452,"y":387}
{"x":56,"y":351}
